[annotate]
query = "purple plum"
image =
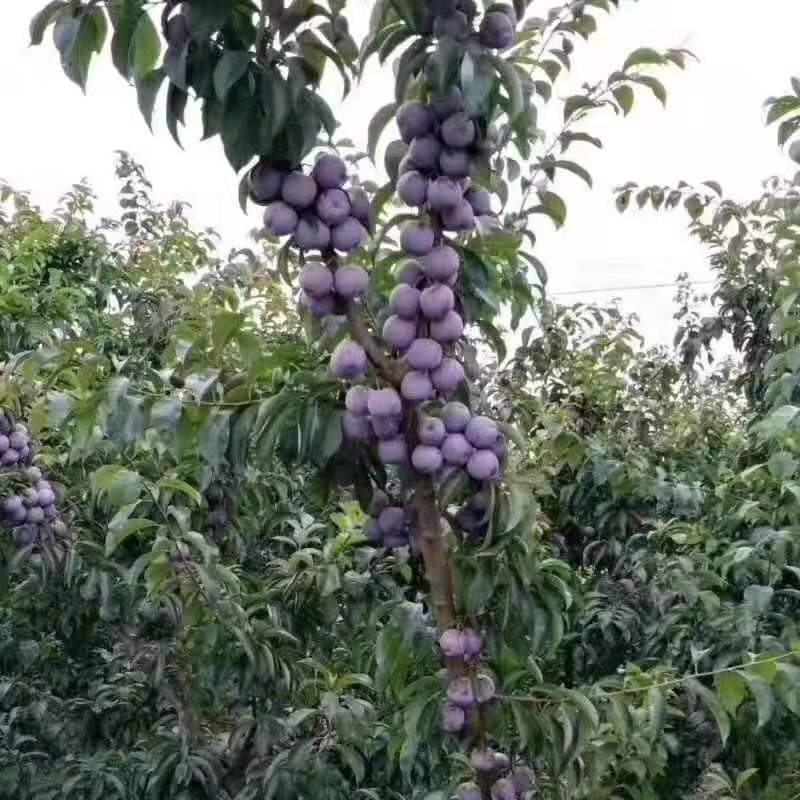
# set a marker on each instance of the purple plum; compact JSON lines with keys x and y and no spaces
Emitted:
{"x":448,"y":376}
{"x":414,"y":119}
{"x":392,"y":519}
{"x":480,"y":200}
{"x":481,"y":431}
{"x":404,"y":301}
{"x":412,"y":188}
{"x":373,"y":532}
{"x":424,"y":354}
{"x":356,"y":400}
{"x":360,"y":206}
{"x":299,"y":190}
{"x":451,"y":102}
{"x":452,"y":643}
{"x":424,"y":152}
{"x":503,"y":789}
{"x":426,"y":459}
{"x":348,"y":236}
{"x":392,"y":451}
{"x":316,"y":280}
{"x":448,"y":329}
{"x":483,"y":465}
{"x":4,"y":443}
{"x":456,"y":417}
{"x":350,"y":282}
{"x":496,"y":31}
{"x":349,"y":361}
{"x":319,"y":306}
{"x":333,"y":206}
{"x":444,"y":193}
{"x":409,"y":272}
{"x":453,"y":718}
{"x":11,"y":456}
{"x":431,"y":431}
{"x":524,"y":779}
{"x":329,"y":172}
{"x":469,"y":791}
{"x":416,"y":387}
{"x":473,"y":644}
{"x":416,"y":238}
{"x":265,"y":183}
{"x":460,"y":692}
{"x":483,"y":759}
{"x":458,"y":130}
{"x":485,"y":689}
{"x":355,"y":427}
{"x":456,"y":450}
{"x":46,"y":497}
{"x":280,"y":219}
{"x":312,"y":234}
{"x":384,"y":403}
{"x":385,"y":427}
{"x":35,"y":515}
{"x":399,"y":332}
{"x":459,"y":217}
{"x":436,"y":301}
{"x":455,"y":163}
{"x":441,"y":263}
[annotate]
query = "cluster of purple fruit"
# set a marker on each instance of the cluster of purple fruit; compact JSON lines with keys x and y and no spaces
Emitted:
{"x":326,"y":291}
{"x":390,"y":526}
{"x":455,"y":19}
{"x":314,"y":209}
{"x":509,"y":784}
{"x":32,"y":513}
{"x":434,"y":173}
{"x":15,"y":443}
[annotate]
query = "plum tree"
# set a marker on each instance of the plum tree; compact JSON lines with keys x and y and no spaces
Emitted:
{"x":402,"y":337}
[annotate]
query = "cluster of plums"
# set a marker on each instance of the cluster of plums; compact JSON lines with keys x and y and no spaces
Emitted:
{"x":15,"y":443}
{"x":326,"y":291}
{"x":509,"y":784}
{"x":391,"y":526}
{"x":316,"y":209}
{"x":30,"y":511}
{"x":456,"y":439}
{"x":455,"y":19}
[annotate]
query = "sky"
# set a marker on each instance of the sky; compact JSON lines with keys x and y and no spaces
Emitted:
{"x":712,"y":128}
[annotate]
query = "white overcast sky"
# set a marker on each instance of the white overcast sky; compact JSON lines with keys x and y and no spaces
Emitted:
{"x":712,"y":128}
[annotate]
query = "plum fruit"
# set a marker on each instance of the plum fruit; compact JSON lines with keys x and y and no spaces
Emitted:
{"x":412,"y":188}
{"x":319,"y":306}
{"x":299,"y":190}
{"x":469,"y":791}
{"x":460,"y":692}
{"x":480,"y":200}
{"x":385,"y":427}
{"x":316,"y":280}
{"x":452,"y":643}
{"x":349,"y":361}
{"x":447,"y":329}
{"x":404,"y":301}
{"x":483,"y":759}
{"x":459,"y":217}
{"x":484,"y":687}
{"x":416,"y":387}
{"x":392,"y":519}
{"x":458,"y":130}
{"x":441,"y":263}
{"x":448,"y":376}
{"x":496,"y":31}
{"x":329,"y":172}
{"x":384,"y":403}
{"x":392,"y":451}
{"x":436,"y":301}
{"x":409,"y":272}
{"x":280,"y":219}
{"x":456,"y":450}
{"x":4,"y":443}
{"x":483,"y":465}
{"x":333,"y":206}
{"x":523,"y":779}
{"x":312,"y":234}
{"x":414,"y":119}
{"x":424,"y":152}
{"x":431,"y":431}
{"x":265,"y":183}
{"x":503,"y":789}
{"x":451,"y":102}
{"x":416,"y":238}
{"x":355,"y":427}
{"x":424,"y":354}
{"x":481,"y":431}
{"x":350,"y":282}
{"x":348,"y":236}
{"x":426,"y":459}
{"x":455,"y":163}
{"x":456,"y":417}
{"x":399,"y":332}
{"x":454,"y":26}
{"x":453,"y":718}
{"x":360,"y":206}
{"x":443,"y":193}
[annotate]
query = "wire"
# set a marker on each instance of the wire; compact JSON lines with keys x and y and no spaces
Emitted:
{"x":627,"y":288}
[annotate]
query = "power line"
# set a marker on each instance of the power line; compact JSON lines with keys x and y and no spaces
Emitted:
{"x":627,"y":288}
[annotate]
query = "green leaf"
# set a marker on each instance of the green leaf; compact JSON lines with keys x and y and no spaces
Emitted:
{"x":176,"y":485}
{"x":214,"y":436}
{"x":510,"y":79}
{"x":712,"y":702}
{"x":116,"y":484}
{"x":477,"y":81}
{"x":655,"y":86}
{"x":554,"y":207}
{"x":176,"y":105}
{"x":165,"y":413}
{"x":379,"y":121}
{"x":275,"y":100}
{"x":577,"y":103}
{"x":732,"y":691}
{"x":624,"y":96}
{"x":118,"y":534}
{"x":575,"y":169}
{"x":43,"y":19}
{"x":145,"y":47}
{"x":230,"y":68}
{"x":765,"y":701}
{"x":644,"y":55}
{"x":147,"y":89}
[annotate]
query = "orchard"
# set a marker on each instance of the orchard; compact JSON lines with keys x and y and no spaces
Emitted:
{"x":294,"y":523}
